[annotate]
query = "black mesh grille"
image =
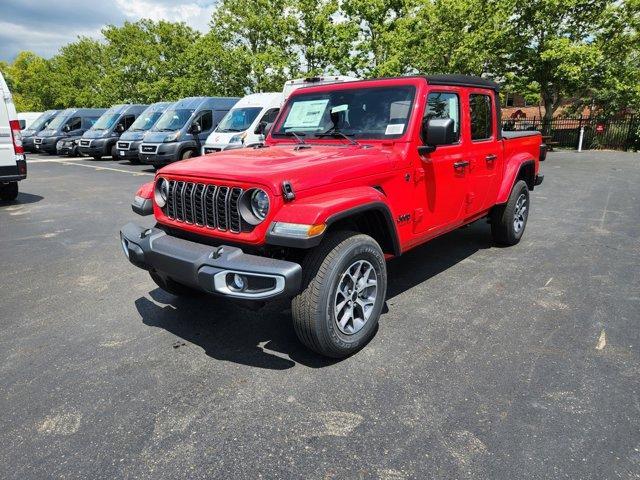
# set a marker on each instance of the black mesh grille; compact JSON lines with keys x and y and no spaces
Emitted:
{"x":213,"y":206}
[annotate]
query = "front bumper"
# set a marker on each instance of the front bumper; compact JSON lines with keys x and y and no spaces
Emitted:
{"x":131,"y":150}
{"x":210,"y":269}
{"x":97,"y":147}
{"x":47,"y":144}
{"x":164,"y":154}
{"x":27,"y":144}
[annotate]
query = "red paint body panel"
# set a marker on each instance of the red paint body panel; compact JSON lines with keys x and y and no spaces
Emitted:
{"x":426,"y":196}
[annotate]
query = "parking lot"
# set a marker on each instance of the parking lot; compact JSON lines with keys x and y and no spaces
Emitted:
{"x":489,"y":362}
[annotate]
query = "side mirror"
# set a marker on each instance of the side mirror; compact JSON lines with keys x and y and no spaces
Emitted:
{"x":267,"y":129}
{"x":66,"y":129}
{"x":119,"y":128}
{"x":195,"y":128}
{"x":260,"y":128}
{"x":437,"y":131}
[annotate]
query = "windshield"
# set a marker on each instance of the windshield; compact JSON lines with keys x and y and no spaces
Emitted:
{"x":145,"y":121}
{"x":58,"y":121}
{"x":42,"y":121}
{"x":173,"y":120}
{"x":106,"y":121}
{"x":238,"y":119}
{"x":374,"y":113}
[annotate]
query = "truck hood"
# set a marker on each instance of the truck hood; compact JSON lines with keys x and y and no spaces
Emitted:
{"x":303,"y":168}
{"x":48,"y":133}
{"x":132,"y":136}
{"x":96,"y":134}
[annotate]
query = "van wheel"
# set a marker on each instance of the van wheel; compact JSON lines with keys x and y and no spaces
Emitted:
{"x":508,"y":221}
{"x":114,"y":152}
{"x":169,"y":285}
{"x":9,"y":192}
{"x":97,"y":157}
{"x":186,"y":154}
{"x":343,"y":291}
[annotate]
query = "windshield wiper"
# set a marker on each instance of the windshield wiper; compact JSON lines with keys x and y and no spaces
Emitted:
{"x":227,"y":130}
{"x":298,"y":136}
{"x":332,"y":132}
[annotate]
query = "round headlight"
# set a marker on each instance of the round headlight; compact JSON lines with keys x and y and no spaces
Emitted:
{"x":161,"y":192}
{"x":260,"y":203}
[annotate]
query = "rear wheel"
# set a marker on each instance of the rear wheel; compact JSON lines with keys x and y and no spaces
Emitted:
{"x":508,"y":221}
{"x":343,"y":292}
{"x":9,"y":192}
{"x":171,"y":286}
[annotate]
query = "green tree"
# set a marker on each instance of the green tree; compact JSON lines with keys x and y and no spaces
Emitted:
{"x":31,"y":82}
{"x":261,"y":31}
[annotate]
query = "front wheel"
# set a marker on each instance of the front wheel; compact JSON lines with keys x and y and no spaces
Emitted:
{"x":344,"y":288}
{"x":9,"y":192}
{"x":97,"y":157}
{"x":508,"y":221}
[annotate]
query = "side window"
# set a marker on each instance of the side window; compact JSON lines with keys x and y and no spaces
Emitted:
{"x":89,"y":121}
{"x":127,"y":121}
{"x":481,"y":117}
{"x":74,"y":123}
{"x":444,"y":105}
{"x":270,"y":115}
{"x":206,"y":120}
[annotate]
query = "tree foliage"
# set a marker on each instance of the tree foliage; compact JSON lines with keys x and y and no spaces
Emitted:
{"x":584,"y":50}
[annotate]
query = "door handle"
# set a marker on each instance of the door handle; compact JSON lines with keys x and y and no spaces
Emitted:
{"x":491,"y":157}
{"x":463,"y":164}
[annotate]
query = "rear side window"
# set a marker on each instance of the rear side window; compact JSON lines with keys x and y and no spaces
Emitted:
{"x":206,"y":120}
{"x":481,"y":117}
{"x":444,"y":105}
{"x":270,"y":115}
{"x":127,"y":121}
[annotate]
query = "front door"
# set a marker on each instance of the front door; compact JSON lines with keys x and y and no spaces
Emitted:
{"x":441,"y":176}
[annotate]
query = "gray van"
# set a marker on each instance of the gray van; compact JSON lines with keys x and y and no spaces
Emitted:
{"x":69,"y":123}
{"x":182,"y":129}
{"x":100,"y":140}
{"x":129,"y":141}
{"x":42,"y":122}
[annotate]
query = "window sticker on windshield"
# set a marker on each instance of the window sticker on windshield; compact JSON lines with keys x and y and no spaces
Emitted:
{"x":394,"y":129}
{"x":340,"y":108}
{"x":306,"y":114}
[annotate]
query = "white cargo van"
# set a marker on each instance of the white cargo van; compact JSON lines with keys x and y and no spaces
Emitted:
{"x":26,"y":119}
{"x":13,"y":166}
{"x":244,"y":124}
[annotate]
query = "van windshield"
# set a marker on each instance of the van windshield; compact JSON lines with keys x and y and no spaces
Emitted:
{"x":106,"y":121}
{"x":42,"y":122}
{"x":372,"y":113}
{"x":172,"y":120}
{"x":145,"y":121}
{"x":238,"y":119}
{"x":58,"y":121}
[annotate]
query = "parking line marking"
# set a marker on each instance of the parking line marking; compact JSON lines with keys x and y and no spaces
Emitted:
{"x":95,"y":167}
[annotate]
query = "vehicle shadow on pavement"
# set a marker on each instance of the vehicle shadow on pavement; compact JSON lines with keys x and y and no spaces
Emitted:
{"x":225,"y":331}
{"x":265,"y":338}
{"x":23,"y":199}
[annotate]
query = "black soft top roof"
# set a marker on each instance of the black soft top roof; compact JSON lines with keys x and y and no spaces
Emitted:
{"x":462,"y":80}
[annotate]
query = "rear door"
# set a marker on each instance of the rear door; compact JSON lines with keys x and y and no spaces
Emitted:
{"x":485,"y":157}
{"x":440,"y":179}
{"x":6,"y":141}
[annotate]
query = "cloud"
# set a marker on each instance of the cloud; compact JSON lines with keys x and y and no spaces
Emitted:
{"x":44,"y":26}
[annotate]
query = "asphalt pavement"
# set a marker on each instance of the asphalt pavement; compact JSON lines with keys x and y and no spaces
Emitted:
{"x":489,"y":363}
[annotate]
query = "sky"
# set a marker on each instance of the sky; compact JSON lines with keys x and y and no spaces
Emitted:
{"x":43,"y":26}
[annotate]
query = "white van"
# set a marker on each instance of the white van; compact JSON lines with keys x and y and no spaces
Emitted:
{"x":243,"y":125}
{"x":13,"y":166}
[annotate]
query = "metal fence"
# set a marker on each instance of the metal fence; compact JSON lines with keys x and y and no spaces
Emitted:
{"x":622,"y":133}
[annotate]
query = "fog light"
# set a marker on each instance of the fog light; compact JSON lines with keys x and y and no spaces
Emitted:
{"x":239,"y":282}
{"x":125,"y":246}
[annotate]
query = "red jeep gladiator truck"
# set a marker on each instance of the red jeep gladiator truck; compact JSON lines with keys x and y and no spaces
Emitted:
{"x":350,"y":176}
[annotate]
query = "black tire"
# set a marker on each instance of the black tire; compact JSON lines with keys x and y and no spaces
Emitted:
{"x":171,"y":286}
{"x":9,"y":192}
{"x":186,"y":154}
{"x":314,"y":317}
{"x":97,"y":157}
{"x":503,"y":225}
{"x":114,"y":152}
